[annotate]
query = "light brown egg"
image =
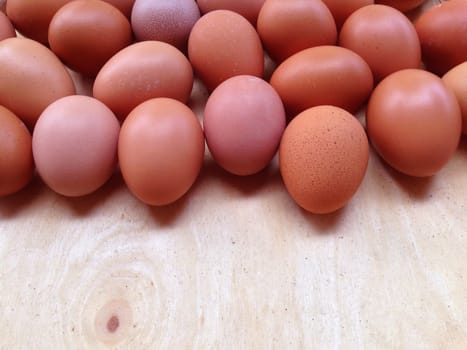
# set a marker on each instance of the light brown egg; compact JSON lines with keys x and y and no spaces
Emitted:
{"x":342,"y":9}
{"x":160,"y":150}
{"x":16,"y":162}
{"x":243,"y":122}
{"x":124,"y":6}
{"x":224,"y":44}
{"x":414,"y":122}
{"x":75,"y":145}
{"x":456,"y":80}
{"x":73,"y":34}
{"x":247,"y":8}
{"x":6,"y":27}
{"x":32,"y":17}
{"x":32,"y":77}
{"x":442,"y":31}
{"x":323,"y":157}
{"x":401,"y":5}
{"x":323,"y":75}
{"x":384,"y":37}
{"x":140,"y":72}
{"x":287,"y":27}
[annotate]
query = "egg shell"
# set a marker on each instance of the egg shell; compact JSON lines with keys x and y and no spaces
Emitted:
{"x":442,"y":30}
{"x":168,"y":21}
{"x":343,"y":9}
{"x":140,"y":72}
{"x":125,"y":6}
{"x":161,"y":150}
{"x":32,"y":17}
{"x":323,"y":75}
{"x":414,"y":122}
{"x":243,"y":122}
{"x":32,"y":77}
{"x":84,"y":34}
{"x":247,"y":8}
{"x":6,"y":27}
{"x":223,"y":44}
{"x":16,"y":162}
{"x":456,"y":80}
{"x":323,"y":157}
{"x":287,"y":27}
{"x":401,"y":5}
{"x":384,"y":37}
{"x":75,"y":145}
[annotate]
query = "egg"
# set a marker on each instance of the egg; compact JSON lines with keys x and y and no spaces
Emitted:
{"x":32,"y":17}
{"x":125,"y":6}
{"x":402,"y":5}
{"x":287,"y":27}
{"x":32,"y":77}
{"x":323,"y":157}
{"x":16,"y":162}
{"x":414,"y":122}
{"x":160,"y":150}
{"x":247,"y":8}
{"x":323,"y":75}
{"x":72,"y":34}
{"x":243,"y":122}
{"x":456,"y":80}
{"x":384,"y":37}
{"x":343,"y":9}
{"x":168,"y":21}
{"x":223,"y":44}
{"x":74,"y":145}
{"x":442,"y":30}
{"x":140,"y":72}
{"x":6,"y":28}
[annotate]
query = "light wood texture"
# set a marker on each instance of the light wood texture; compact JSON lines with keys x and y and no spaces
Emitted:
{"x":236,"y":264}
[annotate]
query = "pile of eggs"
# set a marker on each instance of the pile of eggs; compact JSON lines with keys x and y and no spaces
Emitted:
{"x":331,"y":58}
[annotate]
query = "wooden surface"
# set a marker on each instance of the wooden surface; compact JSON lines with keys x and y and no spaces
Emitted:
{"x":236,"y":264}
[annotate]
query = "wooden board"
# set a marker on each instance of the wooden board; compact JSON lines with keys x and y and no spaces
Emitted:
{"x":236,"y":264}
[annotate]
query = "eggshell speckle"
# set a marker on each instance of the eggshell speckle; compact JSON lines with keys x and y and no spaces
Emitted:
{"x":323,"y":157}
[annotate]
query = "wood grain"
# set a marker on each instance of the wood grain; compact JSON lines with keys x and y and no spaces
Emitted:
{"x":236,"y":264}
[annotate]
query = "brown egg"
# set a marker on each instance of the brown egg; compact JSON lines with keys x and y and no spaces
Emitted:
{"x":32,"y":77}
{"x":75,"y":145}
{"x":243,"y":122}
{"x":343,"y":9}
{"x":224,"y":44}
{"x":287,"y":27}
{"x":323,"y":157}
{"x":72,"y":34}
{"x":32,"y":17}
{"x":6,"y":28}
{"x":161,"y":150}
{"x":443,"y":35}
{"x":384,"y":37}
{"x":247,"y":8}
{"x":456,"y":80}
{"x":401,"y":5}
{"x":414,"y":122}
{"x":140,"y":72}
{"x":16,"y":163}
{"x":124,"y":6}
{"x":323,"y":75}
{"x":168,"y":21}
